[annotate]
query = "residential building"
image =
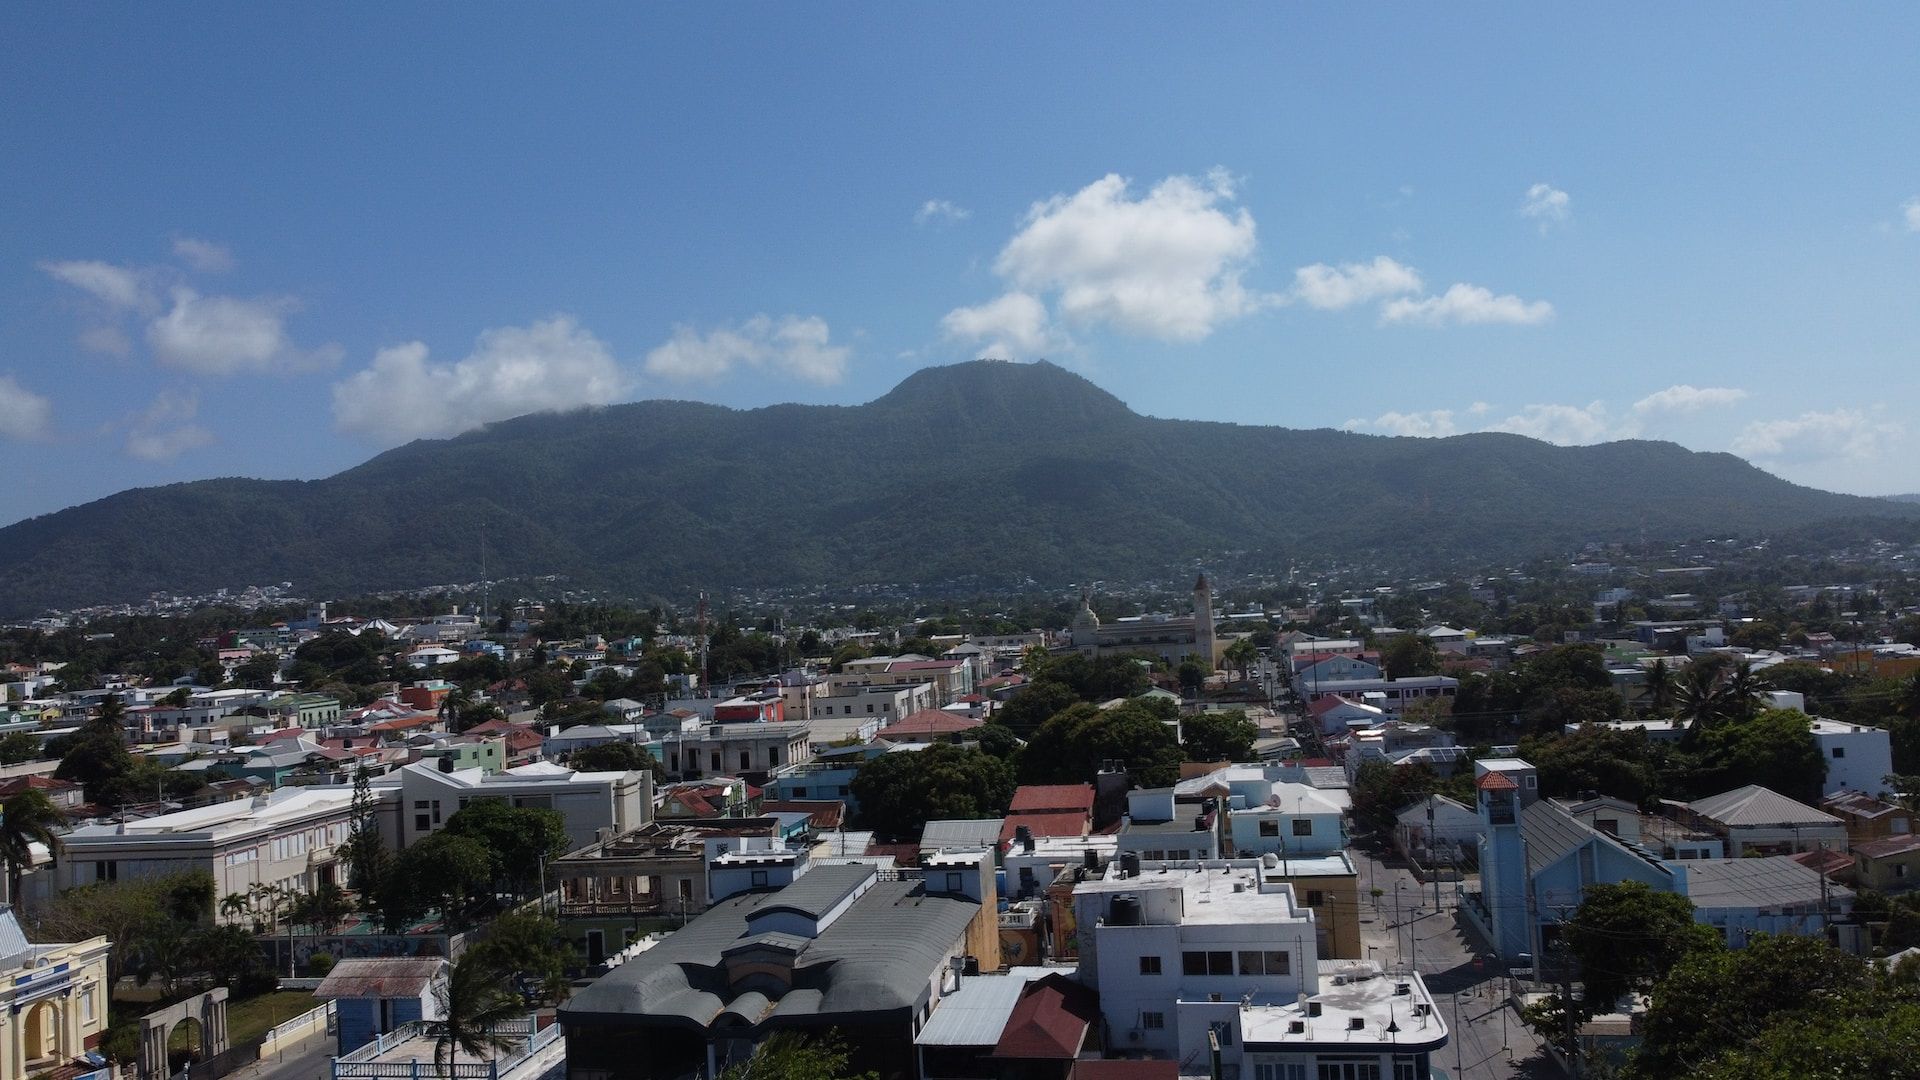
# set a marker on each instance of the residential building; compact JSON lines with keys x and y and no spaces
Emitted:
{"x":488,"y":754}
{"x":375,"y":995}
{"x":929,"y":726}
{"x":1755,"y":818}
{"x":1866,"y":817}
{"x":432,"y":792}
{"x":1028,"y":1023}
{"x":1774,"y":894}
{"x":1890,"y":865}
{"x":828,"y":775}
{"x":1396,"y":695}
{"x":760,"y":708}
{"x":738,"y":749}
{"x":951,"y":679}
{"x":1859,"y":758}
{"x":1437,"y":822}
{"x":1294,"y":820}
{"x":1160,"y":827}
{"x":882,"y":703}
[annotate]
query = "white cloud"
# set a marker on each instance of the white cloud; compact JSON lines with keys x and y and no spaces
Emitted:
{"x":1847,"y":434}
{"x":119,"y":287}
{"x":1563,"y":425}
{"x":226,"y":335}
{"x":1547,"y":205}
{"x":792,"y":345}
{"x":23,"y":413}
{"x":548,"y":366}
{"x":202,"y":255}
{"x":1165,"y":265}
{"x":1910,"y":213}
{"x":1427,"y":425}
{"x":1013,"y":326}
{"x":1467,"y":304}
{"x":1689,"y":399}
{"x":1331,"y":288}
{"x":165,"y":431}
{"x":940,"y":210}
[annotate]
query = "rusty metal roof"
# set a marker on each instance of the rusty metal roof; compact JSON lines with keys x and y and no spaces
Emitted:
{"x":380,"y":977}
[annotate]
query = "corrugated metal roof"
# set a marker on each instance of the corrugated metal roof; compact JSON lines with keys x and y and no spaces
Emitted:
{"x":380,"y":977}
{"x":976,"y":1013}
{"x":13,"y":940}
{"x":1754,"y":805}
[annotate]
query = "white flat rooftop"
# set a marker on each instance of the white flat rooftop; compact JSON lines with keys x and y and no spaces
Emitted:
{"x":1209,"y":895}
{"x":1351,"y":991}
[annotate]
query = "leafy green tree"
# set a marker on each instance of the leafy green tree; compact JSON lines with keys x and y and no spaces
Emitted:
{"x":1715,"y":1000}
{"x":1857,"y":1034}
{"x":1596,"y":759}
{"x":1241,"y":654}
{"x":365,"y":851}
{"x":474,"y":1002}
{"x":1409,"y":655}
{"x":26,"y":819}
{"x":1380,"y":791}
{"x":616,"y":757}
{"x":529,"y":948}
{"x":518,"y":840}
{"x":17,"y":747}
{"x":1659,"y":694}
{"x":1034,"y":705}
{"x":788,"y":1055}
{"x":451,"y":873}
{"x":1219,"y":736}
{"x":1774,"y":749}
{"x":1070,"y":747}
{"x":997,"y":739}
{"x":1626,"y":937}
{"x":230,"y":957}
{"x":1192,"y":675}
{"x":899,"y":793}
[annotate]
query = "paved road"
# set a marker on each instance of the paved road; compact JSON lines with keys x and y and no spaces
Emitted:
{"x":307,"y":1060}
{"x":1488,"y":1042}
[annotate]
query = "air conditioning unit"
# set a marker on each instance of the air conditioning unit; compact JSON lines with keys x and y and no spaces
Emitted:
{"x":1134,"y":1035}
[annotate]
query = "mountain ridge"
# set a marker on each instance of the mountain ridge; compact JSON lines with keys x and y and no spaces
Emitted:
{"x":1006,"y":471}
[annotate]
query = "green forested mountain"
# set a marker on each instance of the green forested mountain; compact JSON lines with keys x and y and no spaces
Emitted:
{"x":986,"y":468}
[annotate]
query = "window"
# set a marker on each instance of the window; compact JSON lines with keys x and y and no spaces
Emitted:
{"x":1206,"y":963}
{"x":1839,"y":751}
{"x":1315,"y":898}
{"x":1349,"y":1070}
{"x":1253,"y":962}
{"x":422,"y":823}
{"x":1149,"y":965}
{"x":1283,"y":1071}
{"x":1269,"y":828}
{"x":746,"y":761}
{"x":716,"y":761}
{"x":953,"y":883}
{"x":1302,"y":827}
{"x":799,"y":793}
{"x":1406,"y":1070}
{"x":1153,"y":1021}
{"x":758,"y":879}
{"x":1530,"y":783}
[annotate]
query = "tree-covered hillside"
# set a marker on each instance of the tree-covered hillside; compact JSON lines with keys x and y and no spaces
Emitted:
{"x":1000,"y":470}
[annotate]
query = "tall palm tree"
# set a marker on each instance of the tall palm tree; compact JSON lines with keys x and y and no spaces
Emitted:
{"x":1659,"y":688}
{"x":26,"y":819}
{"x":235,"y":904}
{"x":474,"y":1001}
{"x":1742,"y":687}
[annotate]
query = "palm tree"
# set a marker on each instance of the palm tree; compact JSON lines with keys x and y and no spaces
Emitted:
{"x":235,"y":904}
{"x":1659,"y":688}
{"x":1742,"y":687}
{"x":1700,"y":700}
{"x":474,"y":1001}
{"x":1907,"y":700}
{"x":26,"y":819}
{"x":1241,"y":654}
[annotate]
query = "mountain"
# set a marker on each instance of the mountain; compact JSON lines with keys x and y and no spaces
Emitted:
{"x":995,"y":469}
{"x":1910,"y":497}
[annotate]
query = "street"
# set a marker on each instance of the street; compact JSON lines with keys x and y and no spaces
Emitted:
{"x":1487,"y":1040}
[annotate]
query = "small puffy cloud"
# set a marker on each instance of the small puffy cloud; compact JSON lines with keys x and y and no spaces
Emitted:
{"x":1331,"y":288}
{"x":1014,"y":326}
{"x":548,"y":366}
{"x":1464,"y":304}
{"x":1563,"y":425}
{"x":1689,"y":399}
{"x":1166,"y":264}
{"x":24,"y":414}
{"x":202,"y":255}
{"x":1547,"y":205}
{"x":793,"y":345}
{"x":936,"y":211}
{"x":1435,"y":424}
{"x":1846,"y":434}
{"x":119,"y":287}
{"x":165,"y":429}
{"x":228,"y":335}
{"x":1910,"y":213}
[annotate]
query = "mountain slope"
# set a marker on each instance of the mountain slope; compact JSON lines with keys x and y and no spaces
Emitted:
{"x":1000,"y":470}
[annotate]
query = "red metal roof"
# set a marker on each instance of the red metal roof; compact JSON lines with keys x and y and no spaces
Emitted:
{"x":1049,"y":1022}
{"x":1051,"y":798}
{"x":1065,"y":823}
{"x":929,"y":722}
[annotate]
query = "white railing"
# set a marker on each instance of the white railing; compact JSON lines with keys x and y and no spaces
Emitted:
{"x":305,"y":1026}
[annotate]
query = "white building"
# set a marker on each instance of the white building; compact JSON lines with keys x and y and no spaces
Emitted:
{"x":1858,"y":757}
{"x":432,"y":792}
{"x":1181,"y":952}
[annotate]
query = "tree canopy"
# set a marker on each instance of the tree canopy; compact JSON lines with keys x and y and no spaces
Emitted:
{"x":900,"y":792}
{"x":1139,"y":733}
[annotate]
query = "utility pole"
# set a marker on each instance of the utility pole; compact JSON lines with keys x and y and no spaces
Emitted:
{"x":1459,"y":1068}
{"x":1433,"y":848}
{"x":1563,"y":960}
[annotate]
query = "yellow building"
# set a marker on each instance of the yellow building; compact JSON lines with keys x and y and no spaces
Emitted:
{"x":53,"y":999}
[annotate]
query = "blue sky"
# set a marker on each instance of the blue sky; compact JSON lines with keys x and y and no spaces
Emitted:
{"x":251,"y":240}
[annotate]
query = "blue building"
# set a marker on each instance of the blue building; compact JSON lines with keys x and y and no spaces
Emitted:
{"x":373,"y":996}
